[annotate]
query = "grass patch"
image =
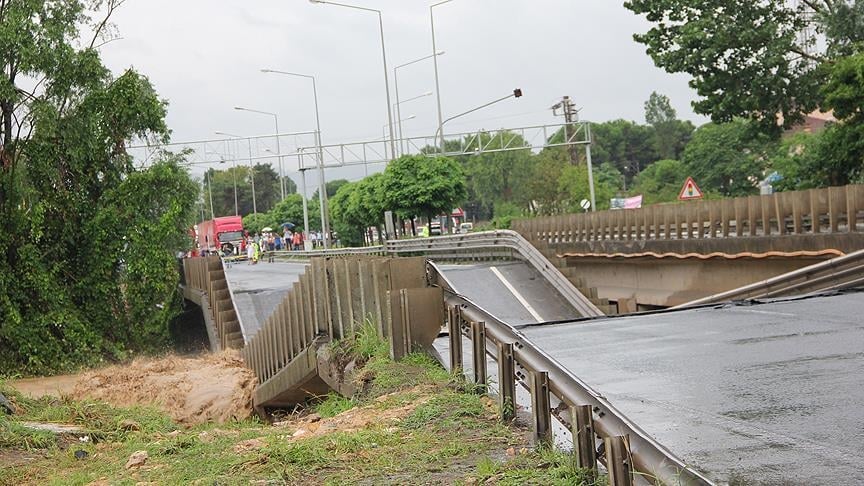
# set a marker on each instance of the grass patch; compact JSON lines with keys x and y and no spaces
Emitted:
{"x":437,"y":430}
{"x":333,"y":404}
{"x":542,"y":466}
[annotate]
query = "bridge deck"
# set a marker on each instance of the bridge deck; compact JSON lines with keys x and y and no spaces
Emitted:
{"x":258,"y":289}
{"x":768,"y":394}
{"x":513,"y":292}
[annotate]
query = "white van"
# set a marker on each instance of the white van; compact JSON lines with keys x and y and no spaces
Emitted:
{"x":466,"y":227}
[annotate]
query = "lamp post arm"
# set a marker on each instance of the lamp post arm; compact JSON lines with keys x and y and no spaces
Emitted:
{"x":472,"y":110}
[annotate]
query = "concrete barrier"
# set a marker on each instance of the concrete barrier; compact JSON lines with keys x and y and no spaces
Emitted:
{"x":330,"y":302}
{"x":808,"y":212}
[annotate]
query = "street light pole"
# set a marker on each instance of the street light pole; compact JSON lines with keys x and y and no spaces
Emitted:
{"x":435,"y":61}
{"x":234,"y":174}
{"x":251,"y":169}
{"x":322,"y":182}
{"x":399,"y":116}
{"x":278,"y":145}
{"x":396,"y":85}
{"x":210,"y":191}
{"x":517,"y":93}
{"x":384,"y":57}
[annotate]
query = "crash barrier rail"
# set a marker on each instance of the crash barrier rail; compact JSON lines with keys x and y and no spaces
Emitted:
{"x":814,"y":211}
{"x":332,"y":299}
{"x":472,"y":246}
{"x":628,"y":451}
{"x":207,"y":275}
{"x":843,"y":272}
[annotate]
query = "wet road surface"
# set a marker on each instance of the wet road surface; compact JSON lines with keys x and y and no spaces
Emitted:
{"x":258,"y":289}
{"x":513,"y":292}
{"x":765,"y":394}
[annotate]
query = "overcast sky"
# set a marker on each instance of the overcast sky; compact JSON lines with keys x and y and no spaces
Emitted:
{"x":205,"y":57}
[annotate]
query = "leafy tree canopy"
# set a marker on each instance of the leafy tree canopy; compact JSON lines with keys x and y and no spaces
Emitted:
{"x":728,"y":158}
{"x":415,"y":185}
{"x":87,"y":258}
{"x":746,"y":57}
{"x":660,"y":182}
{"x":659,"y":110}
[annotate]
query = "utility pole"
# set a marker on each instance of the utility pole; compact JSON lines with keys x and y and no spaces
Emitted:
{"x":571,"y":116}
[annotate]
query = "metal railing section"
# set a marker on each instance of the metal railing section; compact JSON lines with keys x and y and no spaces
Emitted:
{"x":650,"y":460}
{"x":838,"y":273}
{"x":472,"y":246}
{"x":814,"y":211}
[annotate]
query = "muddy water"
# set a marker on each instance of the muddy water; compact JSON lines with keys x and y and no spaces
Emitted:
{"x":209,"y":388}
{"x":52,"y":385}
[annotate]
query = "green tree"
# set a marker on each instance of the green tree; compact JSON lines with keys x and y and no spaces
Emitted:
{"x":670,"y":134}
{"x":87,"y":257}
{"x":332,"y":188}
{"x":660,"y":182}
{"x":356,"y":207}
{"x":496,"y":176}
{"x":291,"y":211}
{"x":626,"y":145}
{"x":658,"y":109}
{"x":543,"y":194}
{"x":746,"y":58}
{"x":267,"y":190}
{"x":842,"y":144}
{"x":574,"y":186}
{"x":729,"y":158}
{"x":417,"y":185}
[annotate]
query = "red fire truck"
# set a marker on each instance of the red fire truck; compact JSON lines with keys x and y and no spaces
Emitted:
{"x":220,"y":234}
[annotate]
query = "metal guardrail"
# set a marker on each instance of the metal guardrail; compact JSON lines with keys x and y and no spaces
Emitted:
{"x":530,"y":365}
{"x":834,"y":274}
{"x":814,"y":211}
{"x":471,"y":246}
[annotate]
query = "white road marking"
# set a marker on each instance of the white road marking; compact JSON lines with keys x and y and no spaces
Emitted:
{"x":516,"y":294}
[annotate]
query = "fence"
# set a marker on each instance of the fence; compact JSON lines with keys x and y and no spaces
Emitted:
{"x":814,"y":211}
{"x":488,"y":245}
{"x":207,"y":277}
{"x":331,"y":300}
{"x":629,"y":451}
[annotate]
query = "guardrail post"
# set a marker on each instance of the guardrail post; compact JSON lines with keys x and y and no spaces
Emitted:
{"x":582,"y":427}
{"x":618,"y":461}
{"x":506,"y":382}
{"x":454,"y":324}
{"x":541,"y":409}
{"x":478,"y":344}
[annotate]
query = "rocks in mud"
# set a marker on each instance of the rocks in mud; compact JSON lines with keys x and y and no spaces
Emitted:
{"x":137,"y":459}
{"x":130,"y":425}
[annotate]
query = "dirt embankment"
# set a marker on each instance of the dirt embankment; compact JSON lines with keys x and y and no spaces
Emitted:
{"x":210,"y":388}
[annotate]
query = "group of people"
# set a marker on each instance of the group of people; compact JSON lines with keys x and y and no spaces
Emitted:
{"x":255,"y":246}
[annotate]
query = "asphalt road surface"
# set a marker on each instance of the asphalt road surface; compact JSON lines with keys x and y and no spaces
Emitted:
{"x":258,"y":290}
{"x":765,"y":394}
{"x":512,"y":292}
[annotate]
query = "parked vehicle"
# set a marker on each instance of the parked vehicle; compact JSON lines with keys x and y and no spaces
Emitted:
{"x":220,"y":234}
{"x":466,"y":228}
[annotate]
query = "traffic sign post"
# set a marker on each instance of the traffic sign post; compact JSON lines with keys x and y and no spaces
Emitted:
{"x":690,"y":191}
